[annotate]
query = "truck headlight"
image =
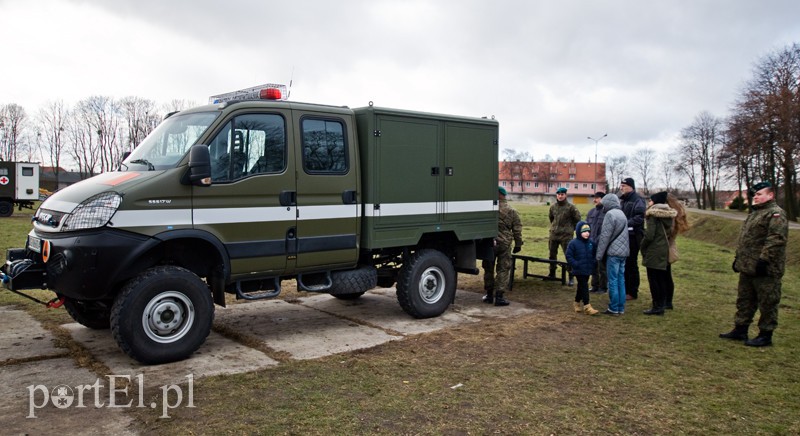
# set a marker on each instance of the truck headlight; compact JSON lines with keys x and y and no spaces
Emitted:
{"x":94,"y":212}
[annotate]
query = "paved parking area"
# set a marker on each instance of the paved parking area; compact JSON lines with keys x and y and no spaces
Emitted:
{"x":310,"y":327}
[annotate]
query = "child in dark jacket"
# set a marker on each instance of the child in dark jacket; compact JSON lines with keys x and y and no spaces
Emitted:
{"x":581,"y":258}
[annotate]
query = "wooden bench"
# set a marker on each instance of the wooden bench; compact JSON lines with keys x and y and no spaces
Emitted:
{"x":525,"y":274}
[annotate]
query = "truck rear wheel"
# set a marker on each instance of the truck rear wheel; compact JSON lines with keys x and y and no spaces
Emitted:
{"x":93,"y":314}
{"x":426,"y":284}
{"x":6,"y":208}
{"x":162,"y":315}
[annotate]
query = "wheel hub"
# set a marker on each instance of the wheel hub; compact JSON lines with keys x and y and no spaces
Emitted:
{"x":168,"y":317}
{"x":431,"y":285}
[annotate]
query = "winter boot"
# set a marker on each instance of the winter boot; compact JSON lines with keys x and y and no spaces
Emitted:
{"x":578,"y":306}
{"x":488,"y":298}
{"x":762,"y":340}
{"x":654,"y":311}
{"x":589,"y":310}
{"x":739,"y":333}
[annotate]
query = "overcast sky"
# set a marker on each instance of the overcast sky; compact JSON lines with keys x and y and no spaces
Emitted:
{"x":552,"y":72}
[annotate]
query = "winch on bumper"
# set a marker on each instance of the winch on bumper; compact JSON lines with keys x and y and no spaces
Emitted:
{"x":82,"y":266}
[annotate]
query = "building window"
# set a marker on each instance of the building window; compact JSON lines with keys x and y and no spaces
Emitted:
{"x":536,"y":185}
{"x":576,"y":186}
{"x":527,"y":184}
{"x":593,"y":188}
{"x":572,"y":176}
{"x":504,"y":184}
{"x":584,"y":185}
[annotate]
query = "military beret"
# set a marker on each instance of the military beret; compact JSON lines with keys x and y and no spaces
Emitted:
{"x":502,"y":190}
{"x":759,"y":186}
{"x":561,"y":191}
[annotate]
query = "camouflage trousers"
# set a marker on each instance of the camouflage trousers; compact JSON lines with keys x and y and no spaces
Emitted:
{"x":497,"y":283}
{"x":553,"y":245}
{"x":758,"y":293}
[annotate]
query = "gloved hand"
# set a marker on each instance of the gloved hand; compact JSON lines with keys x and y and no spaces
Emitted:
{"x":516,"y":249}
{"x":761,"y":268}
{"x":733,"y":266}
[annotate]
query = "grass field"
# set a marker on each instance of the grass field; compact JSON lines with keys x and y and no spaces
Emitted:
{"x":552,"y":372}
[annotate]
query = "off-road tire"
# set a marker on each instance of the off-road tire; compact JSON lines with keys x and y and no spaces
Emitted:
{"x":185,"y":312}
{"x":426,"y":284}
{"x":353,"y":283}
{"x":6,"y":208}
{"x":92,"y":314}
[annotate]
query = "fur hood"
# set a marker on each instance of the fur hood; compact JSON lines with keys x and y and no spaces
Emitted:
{"x":661,"y":211}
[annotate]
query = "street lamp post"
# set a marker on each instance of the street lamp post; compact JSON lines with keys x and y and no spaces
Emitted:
{"x":595,"y":156}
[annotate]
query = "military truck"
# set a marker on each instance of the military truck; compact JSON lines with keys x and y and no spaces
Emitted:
{"x":237,"y":196}
{"x":19,"y":185}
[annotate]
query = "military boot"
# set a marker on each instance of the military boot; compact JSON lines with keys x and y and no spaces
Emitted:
{"x":489,"y":297}
{"x":762,"y":340}
{"x":499,"y":300}
{"x":739,"y":333}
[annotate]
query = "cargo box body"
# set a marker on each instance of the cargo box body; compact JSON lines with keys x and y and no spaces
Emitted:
{"x":424,"y":174}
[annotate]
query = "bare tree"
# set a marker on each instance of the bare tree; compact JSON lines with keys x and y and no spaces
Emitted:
{"x":140,"y":119}
{"x":512,"y":155}
{"x":616,"y":166}
{"x":643,"y":163}
{"x":701,"y":143}
{"x":12,"y":126}
{"x":669,"y":175}
{"x":52,"y":123}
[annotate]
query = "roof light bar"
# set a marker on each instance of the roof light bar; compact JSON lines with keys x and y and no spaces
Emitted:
{"x":267,"y":91}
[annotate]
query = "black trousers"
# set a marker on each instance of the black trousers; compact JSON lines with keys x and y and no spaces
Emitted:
{"x":582,"y":292}
{"x":659,"y":285}
{"x":632,"y":266}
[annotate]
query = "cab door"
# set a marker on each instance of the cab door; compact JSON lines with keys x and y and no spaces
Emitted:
{"x":251,"y":205}
{"x":327,"y":190}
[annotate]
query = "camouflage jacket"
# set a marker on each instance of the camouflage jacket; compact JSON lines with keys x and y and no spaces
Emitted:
{"x":509,"y":226}
{"x":763,"y":237}
{"x":564,"y":216}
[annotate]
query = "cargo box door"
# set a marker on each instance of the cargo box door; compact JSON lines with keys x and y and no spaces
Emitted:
{"x":409,"y":175}
{"x":27,"y":181}
{"x":470,"y":173}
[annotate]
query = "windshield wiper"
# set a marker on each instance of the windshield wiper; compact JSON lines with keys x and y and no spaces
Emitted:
{"x":150,"y":166}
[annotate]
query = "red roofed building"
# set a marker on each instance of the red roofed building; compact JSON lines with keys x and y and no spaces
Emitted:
{"x":544,"y":178}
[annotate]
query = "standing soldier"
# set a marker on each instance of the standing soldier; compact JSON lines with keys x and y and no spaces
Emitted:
{"x":509,"y":230}
{"x":564,"y":216}
{"x":760,"y":261}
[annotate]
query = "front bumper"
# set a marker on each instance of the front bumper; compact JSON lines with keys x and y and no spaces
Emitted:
{"x":85,"y":266}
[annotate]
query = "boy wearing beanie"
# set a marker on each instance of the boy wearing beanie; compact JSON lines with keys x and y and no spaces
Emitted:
{"x":580,"y":254}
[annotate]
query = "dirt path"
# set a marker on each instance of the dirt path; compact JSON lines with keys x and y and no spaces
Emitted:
{"x":739,"y":216}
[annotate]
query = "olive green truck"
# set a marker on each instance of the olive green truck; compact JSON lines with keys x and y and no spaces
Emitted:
{"x":235,"y":197}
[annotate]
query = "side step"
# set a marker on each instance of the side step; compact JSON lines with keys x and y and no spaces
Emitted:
{"x":259,"y":294}
{"x":327,"y":284}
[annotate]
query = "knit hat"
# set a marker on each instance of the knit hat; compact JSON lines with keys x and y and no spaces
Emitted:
{"x":585,"y":228}
{"x":502,"y":190}
{"x":659,"y":197}
{"x":629,"y":181}
{"x":599,"y":194}
{"x":561,"y":191}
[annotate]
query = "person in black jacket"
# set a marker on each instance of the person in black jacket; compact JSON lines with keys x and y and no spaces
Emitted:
{"x":633,"y":207}
{"x":595,"y":220}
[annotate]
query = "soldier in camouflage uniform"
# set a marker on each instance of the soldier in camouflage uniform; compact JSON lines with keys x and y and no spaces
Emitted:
{"x":509,"y":231}
{"x":564,"y":216}
{"x":760,"y":261}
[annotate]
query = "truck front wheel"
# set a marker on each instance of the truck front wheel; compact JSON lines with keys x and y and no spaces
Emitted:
{"x":162,"y":315}
{"x":426,"y":284}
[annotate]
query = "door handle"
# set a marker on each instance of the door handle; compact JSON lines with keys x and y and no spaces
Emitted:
{"x":288,"y":198}
{"x":349,"y":197}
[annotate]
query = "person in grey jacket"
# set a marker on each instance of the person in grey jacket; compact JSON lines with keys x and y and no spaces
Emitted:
{"x":595,"y":220}
{"x":612,"y":245}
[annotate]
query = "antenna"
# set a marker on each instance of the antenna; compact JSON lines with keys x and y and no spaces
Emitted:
{"x":291,"y":78}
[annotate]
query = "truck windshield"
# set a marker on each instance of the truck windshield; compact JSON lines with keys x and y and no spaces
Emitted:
{"x":164,"y":147}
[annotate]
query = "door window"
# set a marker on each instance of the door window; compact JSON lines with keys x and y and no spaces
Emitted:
{"x":324,"y":147}
{"x":248,"y":145}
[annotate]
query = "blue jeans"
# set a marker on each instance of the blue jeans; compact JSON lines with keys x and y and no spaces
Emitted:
{"x":615,"y":267}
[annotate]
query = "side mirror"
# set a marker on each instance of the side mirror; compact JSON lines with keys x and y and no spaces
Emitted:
{"x":199,"y":173}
